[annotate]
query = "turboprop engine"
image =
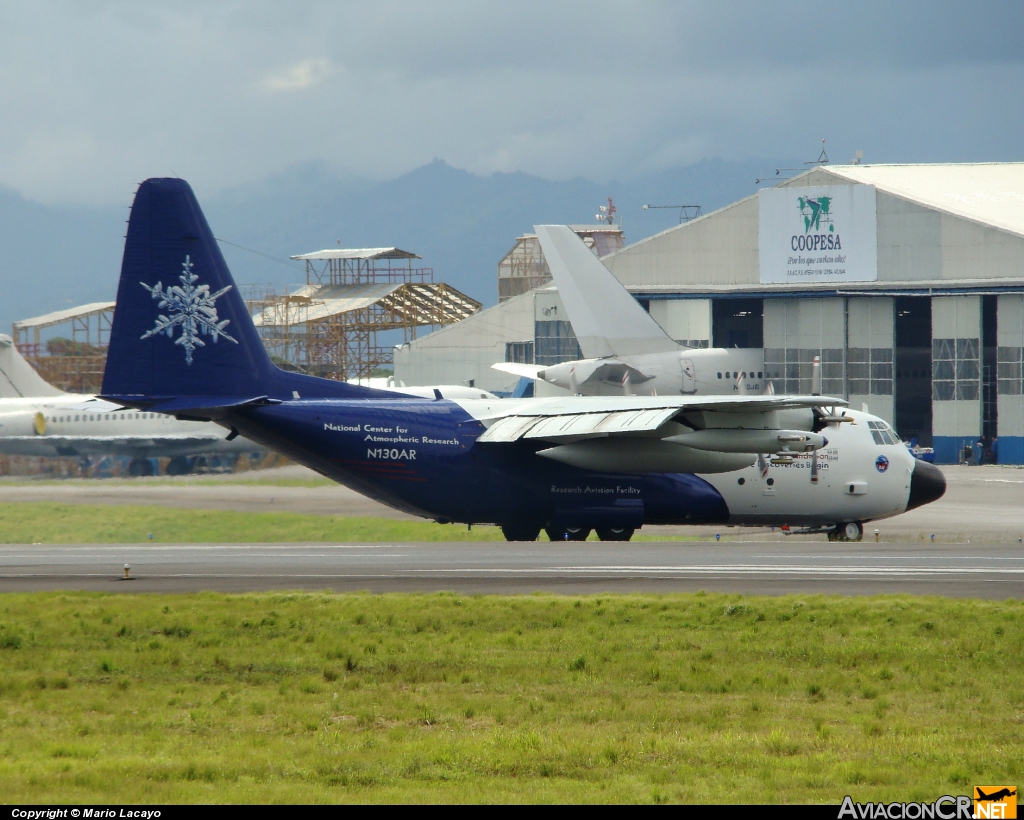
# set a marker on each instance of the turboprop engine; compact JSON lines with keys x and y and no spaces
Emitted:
{"x":632,"y":455}
{"x":700,"y":451}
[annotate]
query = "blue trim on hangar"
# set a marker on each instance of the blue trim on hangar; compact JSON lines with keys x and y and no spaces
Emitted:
{"x":831,"y":294}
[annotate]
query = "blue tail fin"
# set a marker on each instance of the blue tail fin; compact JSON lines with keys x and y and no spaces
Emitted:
{"x":181,"y":336}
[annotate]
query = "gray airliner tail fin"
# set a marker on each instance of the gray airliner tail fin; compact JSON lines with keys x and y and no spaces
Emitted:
{"x":18,"y":379}
{"x":607,"y":320}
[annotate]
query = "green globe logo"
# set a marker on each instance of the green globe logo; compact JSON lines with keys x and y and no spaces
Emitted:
{"x":814,"y":211}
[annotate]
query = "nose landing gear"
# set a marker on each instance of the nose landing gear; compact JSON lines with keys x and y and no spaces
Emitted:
{"x":853,"y":531}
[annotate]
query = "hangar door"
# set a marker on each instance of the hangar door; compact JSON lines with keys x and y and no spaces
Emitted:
{"x":956,"y":375}
{"x":797,"y":330}
{"x":869,"y":355}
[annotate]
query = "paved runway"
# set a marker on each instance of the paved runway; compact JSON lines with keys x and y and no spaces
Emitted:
{"x":768,"y":568}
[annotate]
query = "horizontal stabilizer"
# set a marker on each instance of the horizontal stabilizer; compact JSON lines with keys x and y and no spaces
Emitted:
{"x":208,"y":406}
{"x":528,"y":371}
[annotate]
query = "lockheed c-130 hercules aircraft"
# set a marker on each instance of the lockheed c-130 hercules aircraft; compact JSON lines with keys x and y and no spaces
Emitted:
{"x":567,"y":465}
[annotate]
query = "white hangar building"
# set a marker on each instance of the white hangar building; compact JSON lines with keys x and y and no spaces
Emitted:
{"x":907,"y":281}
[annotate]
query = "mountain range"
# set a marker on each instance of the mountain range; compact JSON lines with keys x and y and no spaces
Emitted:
{"x":460,"y":223}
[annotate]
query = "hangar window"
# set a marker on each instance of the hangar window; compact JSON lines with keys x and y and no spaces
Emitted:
{"x":554,"y":343}
{"x":519,"y":352}
{"x":956,"y":370}
{"x":1009,"y":369}
{"x":794,"y":369}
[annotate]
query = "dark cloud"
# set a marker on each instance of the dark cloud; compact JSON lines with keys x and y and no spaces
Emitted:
{"x":97,"y":95}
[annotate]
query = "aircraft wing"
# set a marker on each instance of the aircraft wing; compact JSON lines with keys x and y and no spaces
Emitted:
{"x":606,"y":319}
{"x":597,"y":416}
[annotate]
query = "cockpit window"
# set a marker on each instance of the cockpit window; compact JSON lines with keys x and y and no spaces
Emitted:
{"x":882,"y":433}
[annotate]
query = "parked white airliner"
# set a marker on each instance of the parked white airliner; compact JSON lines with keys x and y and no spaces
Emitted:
{"x":37,"y":419}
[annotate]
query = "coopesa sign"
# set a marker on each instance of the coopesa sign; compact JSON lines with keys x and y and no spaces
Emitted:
{"x":811,"y":235}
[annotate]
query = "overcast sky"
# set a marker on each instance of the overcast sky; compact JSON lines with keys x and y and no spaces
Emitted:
{"x":95,"y":96}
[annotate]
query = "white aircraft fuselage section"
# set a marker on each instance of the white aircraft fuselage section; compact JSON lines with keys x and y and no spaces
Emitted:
{"x":72,"y":425}
{"x":696,"y":372}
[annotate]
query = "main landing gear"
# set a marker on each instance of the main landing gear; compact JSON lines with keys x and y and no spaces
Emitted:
{"x":139,"y":467}
{"x":568,"y":533}
{"x":520,"y":532}
{"x":852,"y":531}
{"x":527,"y":532}
{"x":615,"y":533}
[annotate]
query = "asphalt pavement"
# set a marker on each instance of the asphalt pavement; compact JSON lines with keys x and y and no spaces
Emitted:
{"x":764,"y":568}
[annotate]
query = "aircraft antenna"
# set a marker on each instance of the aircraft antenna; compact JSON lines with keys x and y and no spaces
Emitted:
{"x":821,"y":160}
{"x":606,"y":213}
{"x":686,"y":212}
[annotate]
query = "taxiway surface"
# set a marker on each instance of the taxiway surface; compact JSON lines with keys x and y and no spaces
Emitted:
{"x":763,"y":568}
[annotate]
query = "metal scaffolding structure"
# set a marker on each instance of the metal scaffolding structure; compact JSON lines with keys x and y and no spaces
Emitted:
{"x":330,"y":326}
{"x":74,"y":362}
{"x":524,"y":268}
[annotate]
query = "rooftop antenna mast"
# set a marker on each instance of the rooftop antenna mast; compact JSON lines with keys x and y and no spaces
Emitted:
{"x":606,"y":213}
{"x":821,"y":160}
{"x":822,"y":157}
{"x":686,"y":212}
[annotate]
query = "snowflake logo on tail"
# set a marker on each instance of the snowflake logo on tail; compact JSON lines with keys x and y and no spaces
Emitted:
{"x":192,"y":308}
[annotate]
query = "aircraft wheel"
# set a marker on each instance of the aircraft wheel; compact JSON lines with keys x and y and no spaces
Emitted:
{"x":568,"y":533}
{"x":139,"y":467}
{"x":179,"y":465}
{"x":615,"y":533}
{"x":520,"y":532}
{"x":846,"y":532}
{"x":853,"y":531}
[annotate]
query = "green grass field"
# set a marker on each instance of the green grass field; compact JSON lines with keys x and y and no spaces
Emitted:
{"x":323,"y":697}
{"x":43,"y":522}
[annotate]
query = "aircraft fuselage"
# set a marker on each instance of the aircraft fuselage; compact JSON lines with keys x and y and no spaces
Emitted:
{"x":424,"y":457}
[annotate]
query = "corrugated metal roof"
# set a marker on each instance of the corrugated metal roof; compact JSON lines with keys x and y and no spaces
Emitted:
{"x":358,"y":253}
{"x":416,"y":300}
{"x":987,"y":192}
{"x":66,"y":315}
{"x":324,"y":301}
